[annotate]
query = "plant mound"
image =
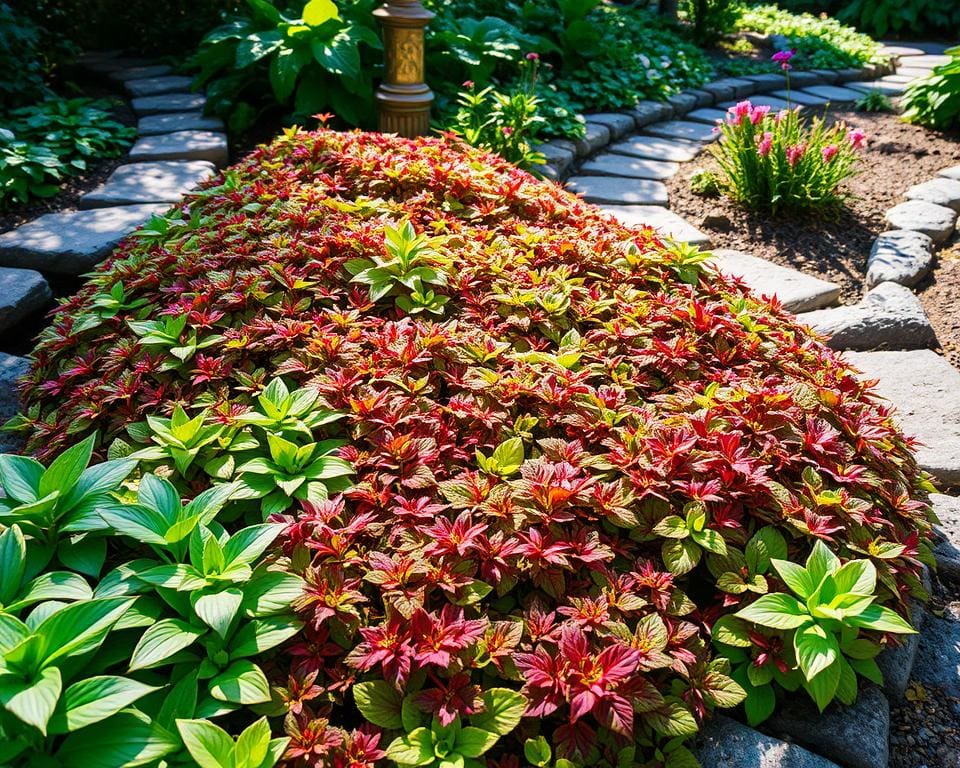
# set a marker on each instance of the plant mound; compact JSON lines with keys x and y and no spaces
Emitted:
{"x":575,"y":449}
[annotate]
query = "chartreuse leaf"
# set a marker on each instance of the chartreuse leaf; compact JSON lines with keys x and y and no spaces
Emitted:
{"x":881,"y":619}
{"x":79,"y":627}
{"x":502,"y":711}
{"x":730,"y":630}
{"x":414,"y":748}
{"x":65,"y":470}
{"x":816,"y":650}
{"x":94,"y":699}
{"x":823,"y":687}
{"x":473,"y":742}
{"x":316,"y":12}
{"x":795,"y":577}
{"x":776,"y":610}
{"x":32,"y":701}
{"x":379,"y":703}
{"x":208,"y":744}
{"x":537,"y":751}
{"x":821,"y":563}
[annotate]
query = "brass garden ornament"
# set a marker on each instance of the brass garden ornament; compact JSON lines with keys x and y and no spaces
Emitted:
{"x":404,"y":98}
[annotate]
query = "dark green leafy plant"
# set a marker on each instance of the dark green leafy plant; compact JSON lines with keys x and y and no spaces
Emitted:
{"x":21,"y":65}
{"x":874,"y":101}
{"x":934,"y":101}
{"x":711,"y":18}
{"x":882,"y":17}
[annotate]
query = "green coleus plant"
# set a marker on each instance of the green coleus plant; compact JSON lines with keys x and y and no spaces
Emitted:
{"x":172,"y":336}
{"x":287,"y":414}
{"x":687,"y":538}
{"x":821,"y":624}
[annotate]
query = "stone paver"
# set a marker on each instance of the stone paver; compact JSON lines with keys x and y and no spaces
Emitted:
{"x":664,"y":220}
{"x":647,"y":112}
{"x":804,"y":79}
{"x":901,"y":256}
{"x":854,"y":736}
{"x":730,"y":88}
{"x":681,"y":129}
{"x":619,"y":191}
{"x":914,"y":73}
{"x":767,"y":82}
{"x":11,"y":369}
{"x":138,"y":73}
{"x":901,"y":50}
{"x":938,"y":657}
{"x":559,"y":154}
{"x":22,"y":292}
{"x":683,"y":103}
{"x":802,"y":98}
{"x":884,"y":86}
{"x":165,"y":181}
{"x":154,"y":86}
{"x":937,"y":221}
{"x":655,"y":148}
{"x":182,"y":145}
{"x":708,"y":115}
{"x":725,"y":743}
{"x":888,"y":317}
{"x":798,"y":291}
{"x":951,"y":173}
{"x":611,"y":164}
{"x":618,"y":124}
{"x":947,"y":542}
{"x":940,"y":191}
{"x":923,"y":386}
{"x":178,"y":121}
{"x":71,"y":242}
{"x":169,"y":102}
{"x":834,"y":93}
{"x":928,"y":61}
{"x":596,"y":136}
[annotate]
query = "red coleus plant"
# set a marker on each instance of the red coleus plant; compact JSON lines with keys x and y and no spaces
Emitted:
{"x":547,"y":457}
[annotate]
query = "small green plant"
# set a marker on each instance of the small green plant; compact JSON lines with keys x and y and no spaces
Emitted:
{"x":778,"y":162}
{"x":704,"y":182}
{"x":874,"y":101}
{"x":935,"y":100}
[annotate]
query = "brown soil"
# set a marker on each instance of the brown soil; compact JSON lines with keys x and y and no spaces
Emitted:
{"x":834,"y":247}
{"x":940,"y":296}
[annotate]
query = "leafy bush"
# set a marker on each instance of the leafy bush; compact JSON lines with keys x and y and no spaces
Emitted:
{"x":45,"y":143}
{"x":777,"y":161}
{"x":911,"y":18}
{"x":711,"y":18}
{"x":821,"y":43}
{"x":310,"y":61}
{"x":934,"y":101}
{"x":559,"y":467}
{"x":21,"y":65}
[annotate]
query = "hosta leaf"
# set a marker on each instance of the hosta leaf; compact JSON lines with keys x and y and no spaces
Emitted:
{"x":882,"y":620}
{"x":795,"y":577}
{"x":32,"y":701}
{"x":260,"y":635}
{"x":414,"y":748}
{"x":94,"y":699}
{"x":823,"y":687}
{"x":162,"y":641}
{"x":777,"y":610}
{"x":208,"y":744}
{"x":816,"y":650}
{"x":242,"y":682}
{"x":218,"y":610}
{"x":127,"y":739}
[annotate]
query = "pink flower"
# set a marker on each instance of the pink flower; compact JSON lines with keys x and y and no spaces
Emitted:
{"x":781,"y":115}
{"x":857,"y":138}
{"x":763,"y":148}
{"x":507,"y":130}
{"x":758,"y":114}
{"x":738,"y":113}
{"x":829,"y":152}
{"x":468,"y":84}
{"x":533,"y":56}
{"x":794,"y":153}
{"x":783,"y":58}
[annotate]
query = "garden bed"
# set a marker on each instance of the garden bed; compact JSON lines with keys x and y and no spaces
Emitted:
{"x":898,"y":156}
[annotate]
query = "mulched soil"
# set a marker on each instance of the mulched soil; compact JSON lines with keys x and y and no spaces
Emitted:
{"x":835,"y":248}
{"x":940,"y":295}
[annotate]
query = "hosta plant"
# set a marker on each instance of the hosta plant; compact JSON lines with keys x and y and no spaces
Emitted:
{"x":560,"y":482}
{"x":777,"y":161}
{"x":934,"y":101}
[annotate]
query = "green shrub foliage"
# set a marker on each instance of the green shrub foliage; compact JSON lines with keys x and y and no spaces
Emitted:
{"x":934,"y":101}
{"x":533,"y":481}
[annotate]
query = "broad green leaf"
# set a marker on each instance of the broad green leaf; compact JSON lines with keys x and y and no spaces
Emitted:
{"x":161,"y":641}
{"x":680,"y":555}
{"x":730,"y":630}
{"x":795,"y":577}
{"x":857,"y":577}
{"x":473,"y":742}
{"x":776,"y":610}
{"x":766,"y":544}
{"x":503,"y":709}
{"x":316,"y":12}
{"x":414,"y":748}
{"x":259,"y":635}
{"x":80,"y":627}
{"x":242,"y":682}
{"x":823,"y":687}
{"x":882,"y":620}
{"x":13,"y":563}
{"x":208,"y":744}
{"x":94,"y":699}
{"x":272,"y":592}
{"x":20,"y":476}
{"x":248,"y":544}
{"x":125,"y":740}
{"x":219,"y":609}
{"x":537,"y":751}
{"x":379,"y":703}
{"x":55,"y":585}
{"x":816,"y":650}
{"x":671,"y":527}
{"x":821,"y":563}
{"x":32,"y":702}
{"x":65,"y":470}
{"x":253,"y":744}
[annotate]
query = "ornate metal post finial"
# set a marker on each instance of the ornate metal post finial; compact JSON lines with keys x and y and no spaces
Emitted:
{"x":403,"y":97}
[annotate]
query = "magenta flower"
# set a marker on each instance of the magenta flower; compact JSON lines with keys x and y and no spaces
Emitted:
{"x":468,"y":84}
{"x":857,"y":138}
{"x":794,"y":153}
{"x":533,"y":56}
{"x":507,"y":131}
{"x":783,"y":58}
{"x":765,"y":144}
{"x":758,"y":114}
{"x":829,"y":152}
{"x":738,"y":113}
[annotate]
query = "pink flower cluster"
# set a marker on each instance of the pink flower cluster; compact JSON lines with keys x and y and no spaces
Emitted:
{"x":765,"y":144}
{"x":746,"y":111}
{"x":857,"y":138}
{"x":783,"y":58}
{"x":829,"y":152}
{"x":794,"y":153}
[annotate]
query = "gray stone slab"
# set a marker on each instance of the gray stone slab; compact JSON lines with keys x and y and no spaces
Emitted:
{"x":647,"y":112}
{"x":169,"y":102}
{"x":72,"y":242}
{"x":900,"y":256}
{"x":938,"y":657}
{"x":182,"y":145}
{"x":896,"y":663}
{"x":927,"y":61}
{"x":914,"y":73}
{"x":806,"y":78}
{"x":767,"y":82}
{"x":854,"y":736}
{"x":725,"y":743}
{"x":947,"y":535}
{"x":138,"y":73}
{"x":619,"y":191}
{"x":834,"y":93}
{"x":849,"y":74}
{"x":704,"y":98}
{"x":663,"y":220}
{"x":940,"y":191}
{"x":937,"y":221}
{"x":828,"y":75}
{"x":619,"y":124}
{"x":924,"y":46}
{"x":801,"y":97}
{"x":11,"y":369}
{"x":901,"y":50}
{"x":898,"y":78}
{"x":883,"y":86}
{"x":798,"y":291}
{"x":681,"y":129}
{"x":682,"y":103}
{"x":115,"y":63}
{"x":730,"y":88}
{"x":22,"y":292}
{"x":154,"y":86}
{"x":596,"y":137}
{"x":709,"y":115}
{"x":888,"y":317}
{"x":655,"y":148}
{"x":558,"y":154}
{"x":548,"y":171}
{"x":923,"y":387}
{"x":165,"y":181}
{"x":951,"y":173}
{"x":178,"y":121}
{"x":612,"y":164}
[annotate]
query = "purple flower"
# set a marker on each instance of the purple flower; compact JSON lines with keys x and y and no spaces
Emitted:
{"x":783,"y":58}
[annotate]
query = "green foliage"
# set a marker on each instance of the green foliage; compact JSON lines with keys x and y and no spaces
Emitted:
{"x":935,"y":100}
{"x":902,"y":17}
{"x":874,"y":101}
{"x":711,"y":18}
{"x":822,"y":623}
{"x":308,"y":61}
{"x":779,"y":162}
{"x":821,"y":43}
{"x":704,"y":182}
{"x":21,"y":65}
{"x":43,"y":144}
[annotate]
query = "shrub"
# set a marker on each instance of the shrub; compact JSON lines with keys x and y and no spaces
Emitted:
{"x":558,"y":466}
{"x":934,"y":101}
{"x":821,"y":43}
{"x":21,"y":66}
{"x":711,"y":18}
{"x":874,"y":101}
{"x":778,"y":161}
